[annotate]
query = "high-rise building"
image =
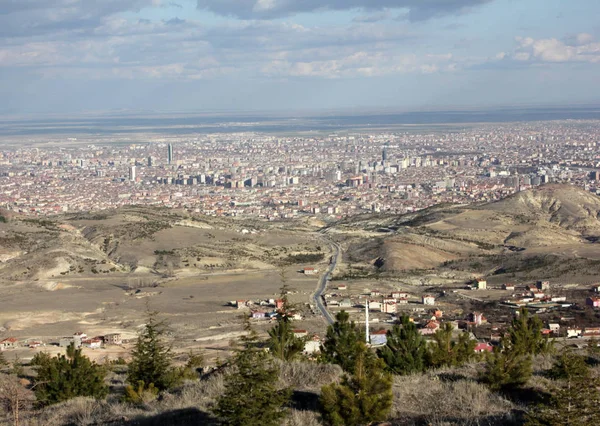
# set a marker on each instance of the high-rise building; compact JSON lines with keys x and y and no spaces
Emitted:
{"x":132,"y":173}
{"x":150,"y":161}
{"x":170,"y":154}
{"x":384,"y":156}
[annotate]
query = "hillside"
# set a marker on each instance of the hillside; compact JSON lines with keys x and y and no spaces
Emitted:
{"x":559,"y":220}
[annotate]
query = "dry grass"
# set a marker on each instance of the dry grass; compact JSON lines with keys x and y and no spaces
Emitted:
{"x":308,"y":376}
{"x":435,"y":399}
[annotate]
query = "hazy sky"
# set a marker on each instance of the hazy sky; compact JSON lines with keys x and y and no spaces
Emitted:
{"x":195,"y":55}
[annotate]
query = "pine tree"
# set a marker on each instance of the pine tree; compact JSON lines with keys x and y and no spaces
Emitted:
{"x":251,"y":396}
{"x":344,"y":343}
{"x":68,"y":376}
{"x":507,"y":369}
{"x":151,"y":357}
{"x":405,"y":350}
{"x":282,"y":343}
{"x":525,"y":335}
{"x":446,"y":352}
{"x":362,"y":397}
{"x":575,"y":398}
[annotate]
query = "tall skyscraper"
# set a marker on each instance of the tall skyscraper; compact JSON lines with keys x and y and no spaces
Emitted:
{"x":384,"y":155}
{"x":170,"y":154}
{"x":132,"y":173}
{"x":150,"y":161}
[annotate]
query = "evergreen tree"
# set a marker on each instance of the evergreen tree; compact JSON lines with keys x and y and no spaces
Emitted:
{"x":151,"y":357}
{"x":362,"y":397}
{"x":446,"y":352}
{"x":68,"y":376}
{"x":251,"y":396}
{"x":525,"y":335}
{"x":344,"y":342}
{"x":575,"y":399}
{"x":282,"y":343}
{"x":506,"y":368}
{"x":405,"y":350}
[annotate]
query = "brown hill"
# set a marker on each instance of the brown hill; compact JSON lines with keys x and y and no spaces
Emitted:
{"x":554,"y":219}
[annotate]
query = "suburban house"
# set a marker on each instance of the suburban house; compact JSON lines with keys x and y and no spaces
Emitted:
{"x":379,"y":338}
{"x":543,"y":285}
{"x":312,"y":346}
{"x":403,"y":301}
{"x":591,"y":331}
{"x":483,"y":347}
{"x":508,"y":286}
{"x":554,"y":327}
{"x":481,"y":284}
{"x":375,"y":293}
{"x":300,"y":334}
{"x":593,"y":302}
{"x":93,"y":343}
{"x":375,"y":306}
{"x":8,"y":343}
{"x":428,"y":300}
{"x":430,"y":328}
{"x":574,"y":331}
{"x":259,"y":314}
{"x":477,"y":318}
{"x":399,"y":295}
{"x":346,"y":303}
{"x":113,"y":339}
{"x":342,"y":287}
{"x":310,"y":271}
{"x":389,"y":308}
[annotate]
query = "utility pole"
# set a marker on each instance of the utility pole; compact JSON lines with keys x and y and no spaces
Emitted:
{"x":368,"y":337}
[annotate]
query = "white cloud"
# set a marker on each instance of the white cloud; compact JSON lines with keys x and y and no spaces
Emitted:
{"x":581,"y":48}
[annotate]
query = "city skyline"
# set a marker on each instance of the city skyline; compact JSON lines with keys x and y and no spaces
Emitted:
{"x":63,"y":56}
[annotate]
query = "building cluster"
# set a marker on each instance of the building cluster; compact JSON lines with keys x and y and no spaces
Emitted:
{"x":78,"y":339}
{"x":266,"y":176}
{"x":430,"y":311}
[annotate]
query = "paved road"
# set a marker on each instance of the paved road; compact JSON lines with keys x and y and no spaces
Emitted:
{"x":317,"y":296}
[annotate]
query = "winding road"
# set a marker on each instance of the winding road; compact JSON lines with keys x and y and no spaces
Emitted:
{"x":318,"y":294}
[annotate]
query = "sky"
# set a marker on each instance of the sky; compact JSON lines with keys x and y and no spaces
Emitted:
{"x":79,"y":56}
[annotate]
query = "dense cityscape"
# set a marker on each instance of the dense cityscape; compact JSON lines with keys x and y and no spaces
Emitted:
{"x":266,"y":176}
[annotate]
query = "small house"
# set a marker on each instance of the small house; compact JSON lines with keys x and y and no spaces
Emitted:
{"x":259,"y":314}
{"x":310,"y":271}
{"x":93,"y":343}
{"x":379,"y":338}
{"x":300,"y":334}
{"x":375,"y":306}
{"x":342,"y":287}
{"x":345,"y":303}
{"x":312,"y":346}
{"x":113,"y":339}
{"x":399,"y":295}
{"x":594,"y":302}
{"x":554,"y":327}
{"x":543,"y":285}
{"x":402,"y":301}
{"x":477,"y":318}
{"x":574,"y":332}
{"x":428,"y":300}
{"x":8,"y":343}
{"x":430,"y":328}
{"x":508,"y":287}
{"x":389,"y":308}
{"x":481,"y":284}
{"x":483,"y":347}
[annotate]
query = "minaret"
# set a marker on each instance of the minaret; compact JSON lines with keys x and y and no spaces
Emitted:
{"x":368,"y":337}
